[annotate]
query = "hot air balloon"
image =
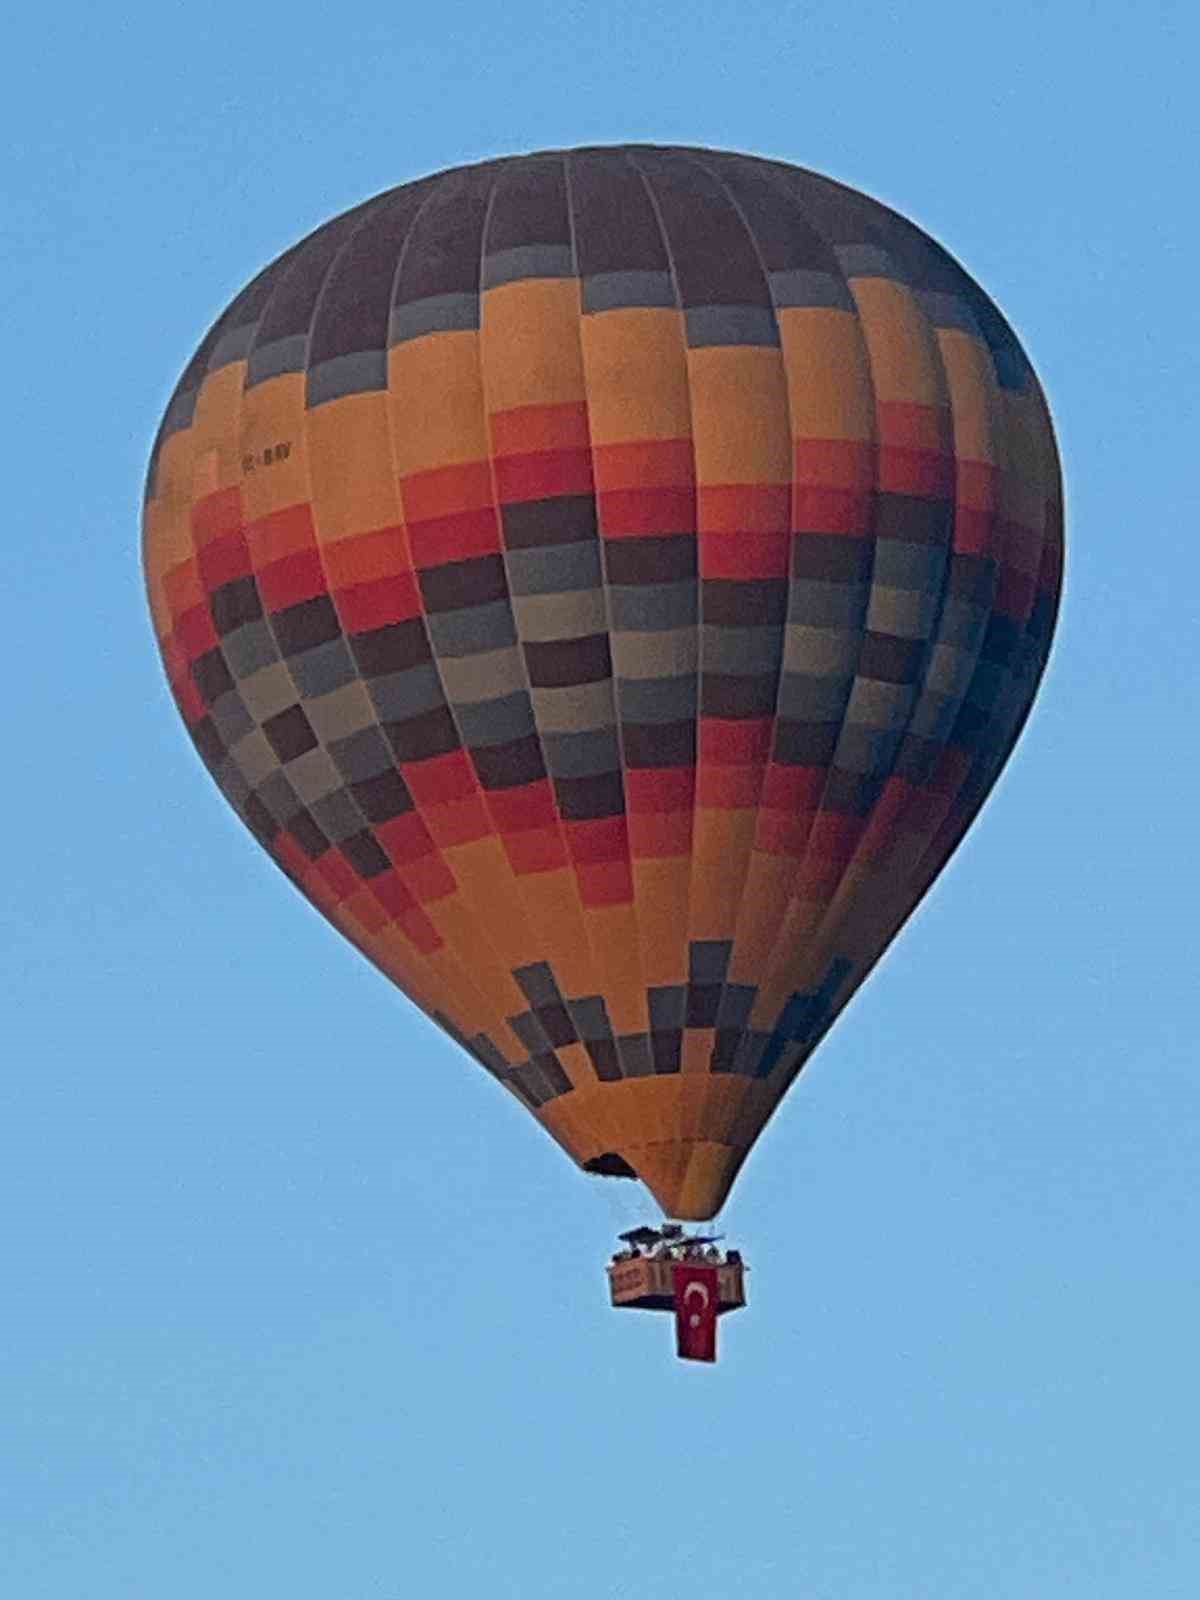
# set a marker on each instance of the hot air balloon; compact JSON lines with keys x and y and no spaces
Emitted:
{"x":608,"y":582}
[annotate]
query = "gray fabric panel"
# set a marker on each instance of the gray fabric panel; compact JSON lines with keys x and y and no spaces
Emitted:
{"x":483,"y":677}
{"x":489,"y":1055}
{"x":401,"y":695}
{"x":590,"y":1016}
{"x":476,"y":628}
{"x":577,"y":614}
{"x":935,"y":716}
{"x":949,"y":670}
{"x":337,"y":815}
{"x":280,"y":799}
{"x":230,"y":717}
{"x":668,"y":1007}
{"x":867,"y":261}
{"x":737,"y":1002}
{"x":876,"y":704}
{"x":649,"y":700}
{"x":180,"y":413}
{"x":537,"y":983}
{"x":821,"y":652}
{"x":789,"y":1056}
{"x":529,"y":1030}
{"x":232,"y":346}
{"x":574,"y":708}
{"x":948,"y":311}
{"x":337,"y":715}
{"x":962,"y":623}
{"x":740,"y":652}
{"x":650,"y":607}
{"x":720,"y":325}
{"x":274,"y":359}
{"x":906,"y":613}
{"x":1012,"y":369}
{"x":708,"y":960}
{"x":323,"y":670}
{"x":249,"y":648}
{"x":749,"y":1053}
{"x":581,"y":755}
{"x":231,"y":781}
{"x":439,"y":313}
{"x":615,"y":291}
{"x":496,"y":721}
{"x":255,"y":759}
{"x":803,"y":698}
{"x":363,"y":755}
{"x":865,"y":750}
{"x":554,"y":568}
{"x":362,"y":372}
{"x":827,"y":605}
{"x":803,"y":286}
{"x":313,"y":774}
{"x":635,"y":1055}
{"x":901,"y":564}
{"x":987,"y":682}
{"x":268,"y":691}
{"x":668,"y":654}
{"x":527,"y":261}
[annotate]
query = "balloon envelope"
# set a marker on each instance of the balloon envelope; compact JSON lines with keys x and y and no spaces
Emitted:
{"x":608,"y":583}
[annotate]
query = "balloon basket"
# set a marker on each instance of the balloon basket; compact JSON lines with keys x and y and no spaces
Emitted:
{"x":661,"y":1270}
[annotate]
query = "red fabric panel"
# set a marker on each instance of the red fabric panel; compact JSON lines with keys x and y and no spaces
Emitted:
{"x":645,"y":513}
{"x":461,"y":536}
{"x":744,"y":555}
{"x":366,"y":557}
{"x":602,"y":839}
{"x":296,"y":578}
{"x":441,"y":491}
{"x":338,"y":874}
{"x":562,"y":426}
{"x":442,"y":780}
{"x":651,"y":789}
{"x":658,"y":834}
{"x":224,"y":560}
{"x":368,"y":606}
{"x":405,"y":838}
{"x":729,"y":743}
{"x":392,"y":894}
{"x":528,"y":805}
{"x":605,"y":883}
{"x":281,"y":534}
{"x":453,"y":821}
{"x":834,"y":464}
{"x":729,"y":788}
{"x":927,"y":473}
{"x":742,"y":508}
{"x":420,"y":930}
{"x":543,"y":475}
{"x":217,"y":514}
{"x":194,"y":632}
{"x":535,"y":849}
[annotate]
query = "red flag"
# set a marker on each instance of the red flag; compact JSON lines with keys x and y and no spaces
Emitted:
{"x":696,"y":1295}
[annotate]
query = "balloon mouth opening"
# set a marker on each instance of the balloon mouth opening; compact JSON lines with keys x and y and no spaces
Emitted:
{"x":610,"y":1165}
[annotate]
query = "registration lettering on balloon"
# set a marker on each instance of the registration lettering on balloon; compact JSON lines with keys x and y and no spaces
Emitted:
{"x":266,"y":457}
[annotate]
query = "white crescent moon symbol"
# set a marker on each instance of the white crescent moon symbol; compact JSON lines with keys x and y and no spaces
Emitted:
{"x":697,"y":1288}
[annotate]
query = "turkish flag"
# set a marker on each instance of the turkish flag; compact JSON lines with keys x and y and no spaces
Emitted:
{"x":696,"y":1297}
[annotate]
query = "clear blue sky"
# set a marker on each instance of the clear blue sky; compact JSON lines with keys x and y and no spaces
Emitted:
{"x":228,"y":1364}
